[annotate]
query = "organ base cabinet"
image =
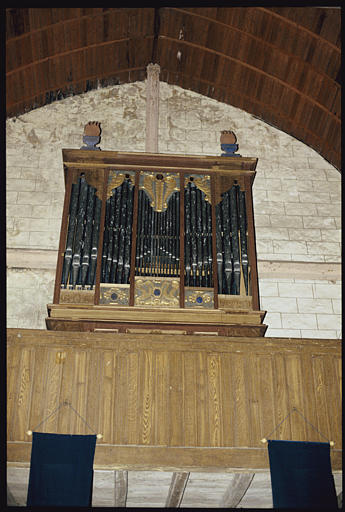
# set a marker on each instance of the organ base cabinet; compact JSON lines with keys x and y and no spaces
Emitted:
{"x":157,"y":243}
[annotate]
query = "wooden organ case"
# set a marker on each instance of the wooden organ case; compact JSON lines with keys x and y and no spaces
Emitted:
{"x":157,"y":243}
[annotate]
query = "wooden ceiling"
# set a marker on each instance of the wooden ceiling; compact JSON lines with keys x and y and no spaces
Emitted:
{"x":280,"y":64}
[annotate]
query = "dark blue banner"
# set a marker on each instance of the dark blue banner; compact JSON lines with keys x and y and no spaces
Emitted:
{"x":61,"y":470}
{"x":301,"y":475}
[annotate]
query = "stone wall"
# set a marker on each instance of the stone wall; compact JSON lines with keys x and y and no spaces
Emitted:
{"x":296,"y":196}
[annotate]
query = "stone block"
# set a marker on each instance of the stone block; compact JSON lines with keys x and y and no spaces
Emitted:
{"x":283,"y":333}
{"x":267,"y":184}
{"x":38,"y":198}
{"x":286,"y":221}
{"x":295,"y":290}
{"x":333,"y":259}
{"x":283,"y":246}
{"x":314,"y":305}
{"x":38,"y":211}
{"x":15,"y":238}
{"x":270,"y":256}
{"x":44,"y":239}
{"x":338,"y":222}
{"x":329,"y":210}
{"x":305,"y":234}
{"x":319,"y":334}
{"x":14,"y":172}
{"x":331,"y":235}
{"x":268,"y":208}
{"x":308,"y":258}
{"x":327,"y":291}
{"x":315,"y":197}
{"x":300,"y":209}
{"x":262,"y":221}
{"x":279,"y":304}
{"x":327,"y":186}
{"x":199,"y":136}
{"x":337,"y":309}
{"x":270,"y":233}
{"x":329,"y":321}
{"x":329,"y":248}
{"x":333,"y":175}
{"x":295,"y":185}
{"x":268,"y":289}
{"x":259,"y":196}
{"x":273,"y":320}
{"x":11,"y":197}
{"x":301,"y":321}
{"x":264,"y":246}
{"x":319,"y":222}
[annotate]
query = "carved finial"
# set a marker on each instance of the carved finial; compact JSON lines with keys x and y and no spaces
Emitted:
{"x":92,"y":135}
{"x":228,"y":143}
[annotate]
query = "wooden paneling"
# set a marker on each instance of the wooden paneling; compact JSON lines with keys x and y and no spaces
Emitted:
{"x":143,"y":392}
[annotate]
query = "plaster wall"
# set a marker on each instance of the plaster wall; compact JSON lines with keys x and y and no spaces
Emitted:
{"x":296,"y":195}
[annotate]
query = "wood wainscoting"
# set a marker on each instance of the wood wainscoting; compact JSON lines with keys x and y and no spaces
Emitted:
{"x":173,"y":402}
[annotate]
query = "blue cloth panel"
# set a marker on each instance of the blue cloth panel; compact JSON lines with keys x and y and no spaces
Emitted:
{"x":61,"y":470}
{"x":301,"y":475}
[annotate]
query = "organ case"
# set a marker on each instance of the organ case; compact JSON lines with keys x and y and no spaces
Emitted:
{"x":152,"y":233}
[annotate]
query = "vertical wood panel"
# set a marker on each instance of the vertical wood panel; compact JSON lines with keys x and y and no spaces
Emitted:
{"x":254,"y":399}
{"x":309,"y":402}
{"x":333,"y":399}
{"x":281,"y":399}
{"x":146,"y":398}
{"x":80,"y":395}
{"x":214,"y":401}
{"x":133,"y":398}
{"x":295,"y":391}
{"x":176,"y":396}
{"x":14,"y":356}
{"x":322,"y":397}
{"x":120,"y":409}
{"x":240,"y":402}
{"x":40,"y":377}
{"x":190,"y":384}
{"x":202,"y":399}
{"x":228,"y":396}
{"x":52,"y":393}
{"x":66,"y":392}
{"x":93,"y":390}
{"x":108,"y":385}
{"x":162,"y":410}
{"x":266,"y":389}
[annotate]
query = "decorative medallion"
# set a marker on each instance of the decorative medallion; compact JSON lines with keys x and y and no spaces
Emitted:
{"x":150,"y":291}
{"x":202,"y":182}
{"x":159,"y":187}
{"x":196,"y":297}
{"x":114,"y":294}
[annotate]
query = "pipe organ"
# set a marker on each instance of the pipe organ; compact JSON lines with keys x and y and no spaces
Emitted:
{"x":152,"y":241}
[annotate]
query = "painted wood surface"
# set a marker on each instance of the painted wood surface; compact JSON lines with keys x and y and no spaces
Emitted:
{"x":173,"y":401}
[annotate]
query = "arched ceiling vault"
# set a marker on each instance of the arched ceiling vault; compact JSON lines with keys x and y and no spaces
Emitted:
{"x":281,"y":65}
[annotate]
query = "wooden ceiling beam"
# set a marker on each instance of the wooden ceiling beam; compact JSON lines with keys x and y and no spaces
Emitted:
{"x":286,"y":20}
{"x":176,"y":490}
{"x":248,"y":66}
{"x":120,"y":488}
{"x":252,"y":36}
{"x":236,"y":490}
{"x":69,"y":52}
